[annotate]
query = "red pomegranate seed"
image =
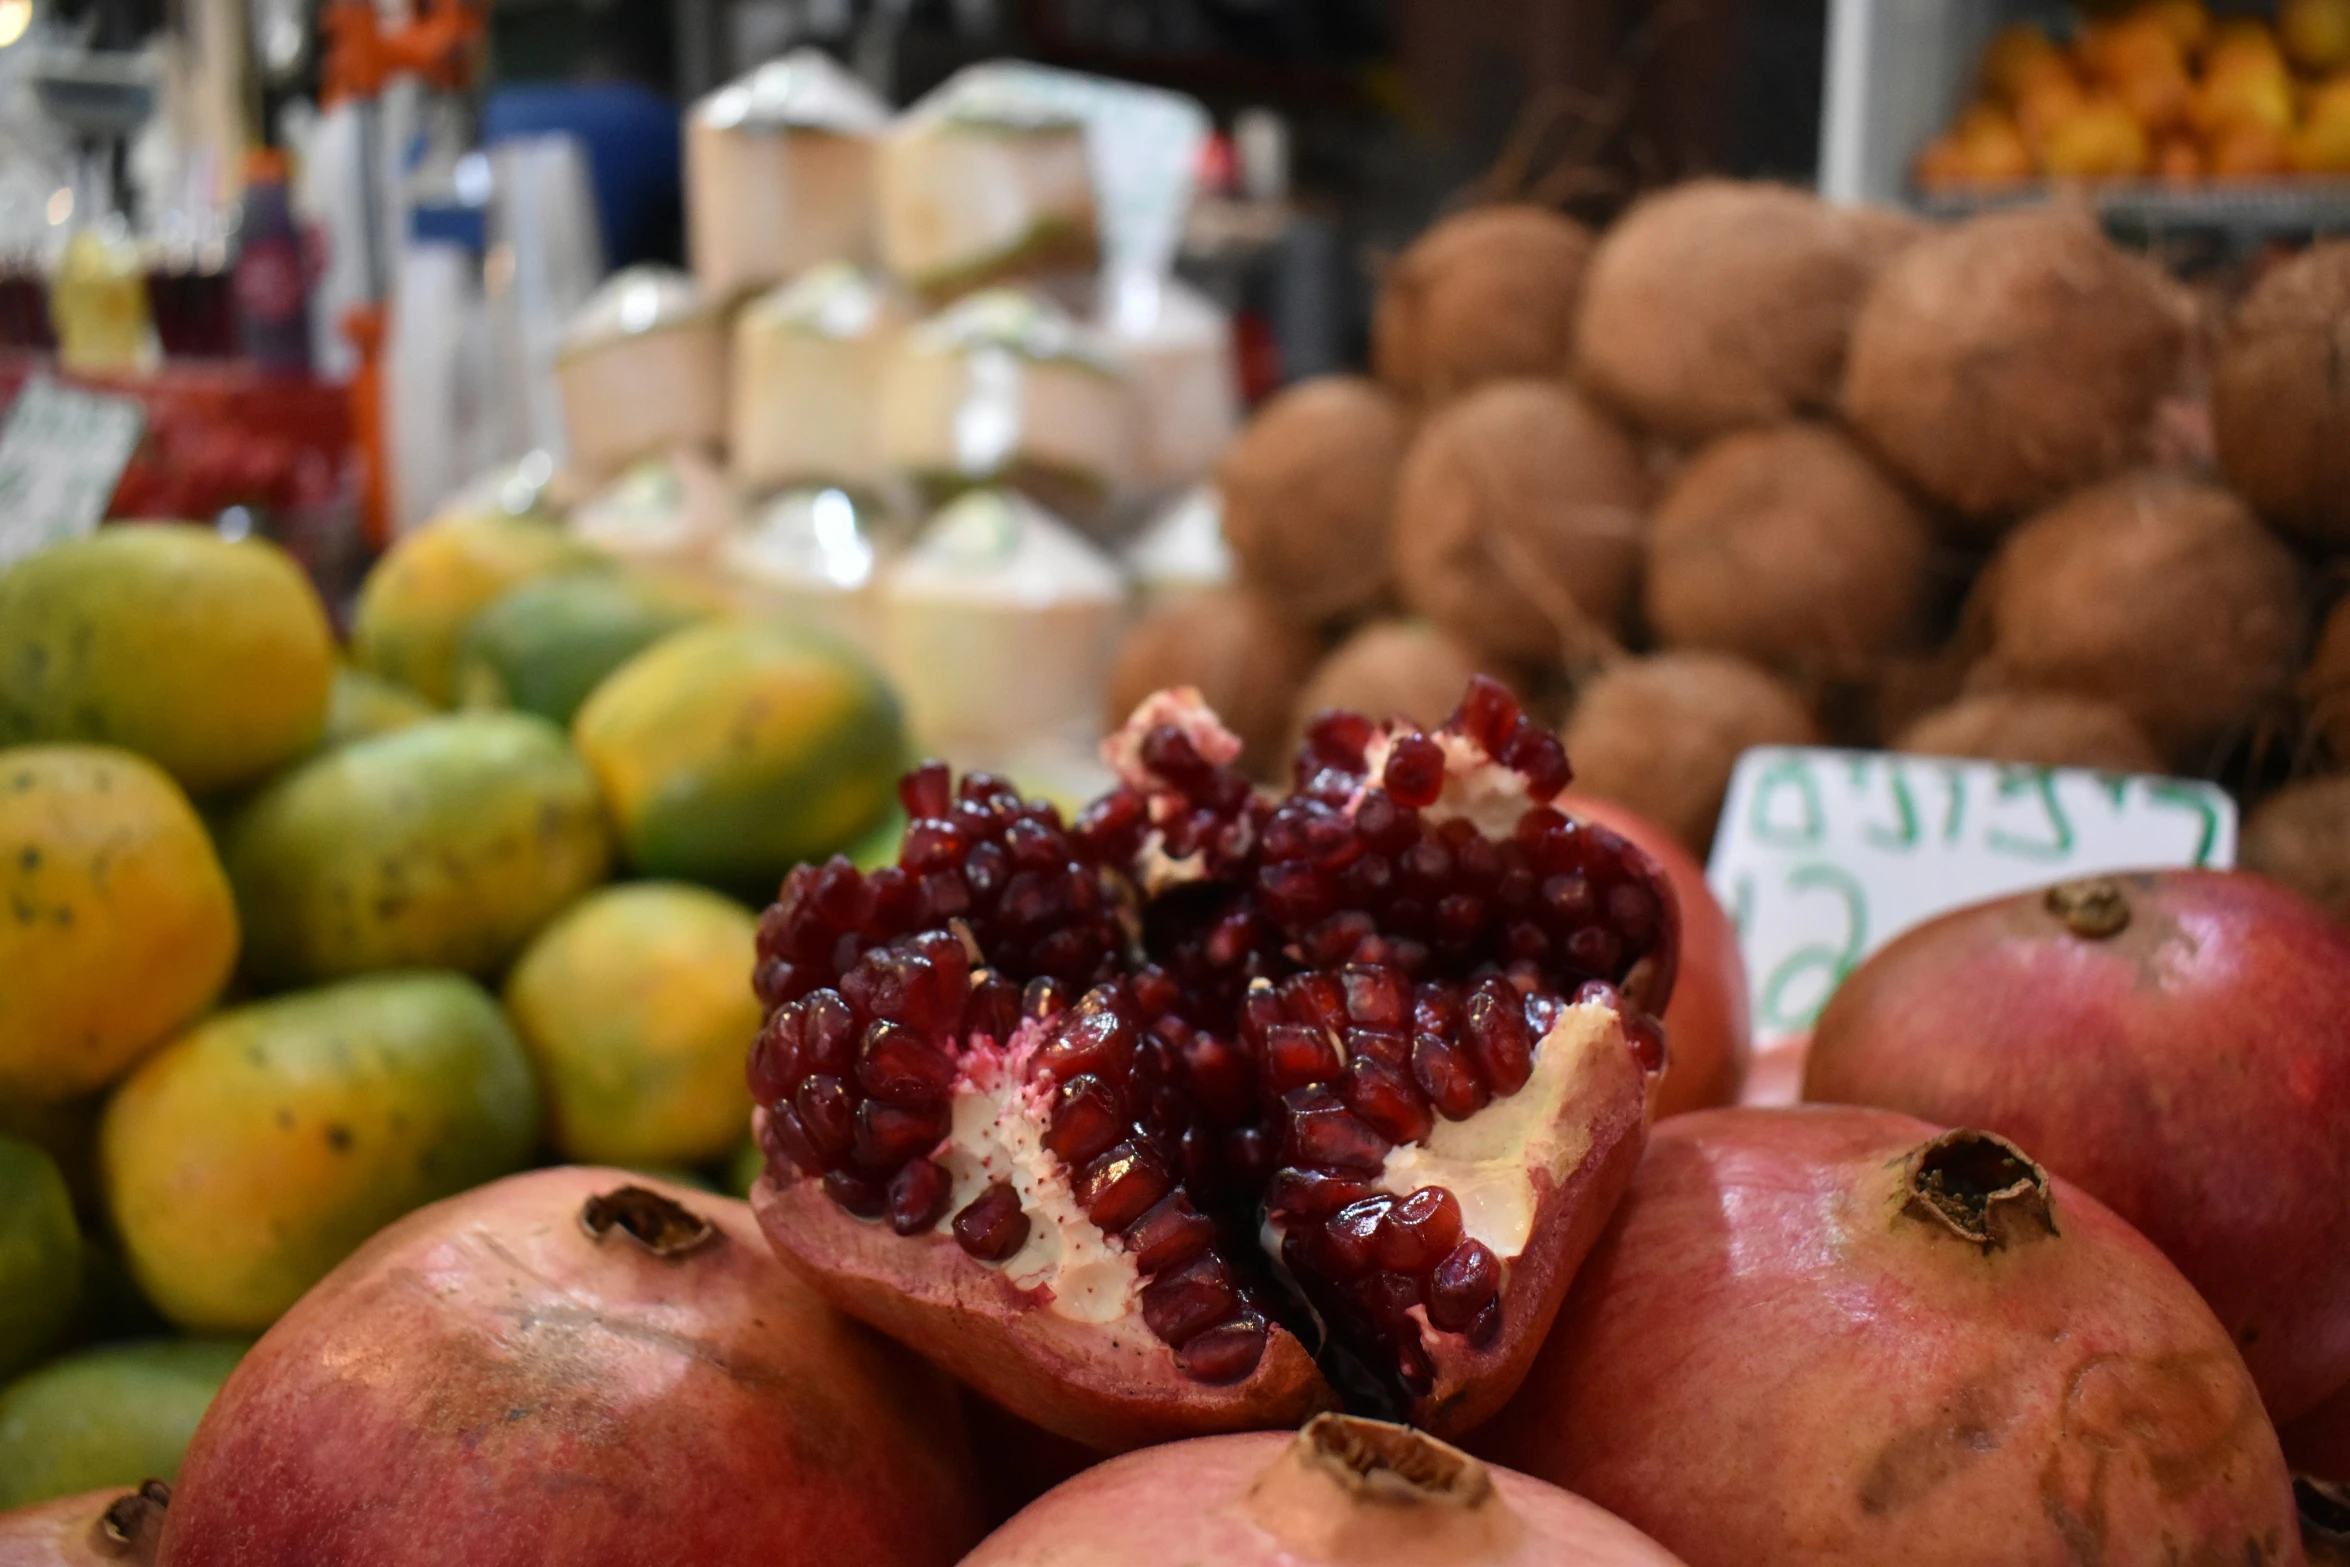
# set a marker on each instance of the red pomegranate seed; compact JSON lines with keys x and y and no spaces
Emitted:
{"x":992,"y":1226}
{"x":1375,"y":998}
{"x":1297,"y":1055}
{"x":927,"y":791}
{"x":1427,"y":864}
{"x":841,"y":895}
{"x":986,"y":870}
{"x":1043,"y":997}
{"x":1378,"y":1044}
{"x":932,"y":844}
{"x":1488,"y":714}
{"x":1343,"y":1249}
{"x":1316,"y":999}
{"x":1313,"y":1194}
{"x":786,"y":1142}
{"x":1324,"y":1133}
{"x":1418,"y":1232}
{"x":1179,"y":1305}
{"x":992,"y":1011}
{"x":1169,"y":1235}
{"x":1538,"y":754}
{"x":1093,"y":1038}
{"x":774,"y":1067}
{"x":1464,"y":1284}
{"x":1646,"y":1036}
{"x":828,"y":1114}
{"x":1224,"y":1354}
{"x":862,"y":1197}
{"x":917,"y":1197}
{"x":1498,"y":1039}
{"x":774,"y":982}
{"x":830,"y":1044}
{"x":887,"y":1135}
{"x":1088,"y":1116}
{"x":1415,"y":771}
{"x":1386,"y":1099}
{"x":1119,"y":1185}
{"x":1447,"y":1078}
{"x":1595,"y":950}
{"x":902,"y":1067}
{"x":1219,"y":1078}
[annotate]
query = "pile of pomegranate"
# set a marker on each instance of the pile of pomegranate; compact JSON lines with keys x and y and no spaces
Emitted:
{"x":1206,"y":1109}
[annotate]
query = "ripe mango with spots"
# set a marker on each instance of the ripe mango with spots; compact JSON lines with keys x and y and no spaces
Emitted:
{"x":419,"y":602}
{"x":545,"y":645}
{"x":112,"y":1416}
{"x":212,"y":659}
{"x":116,"y":924}
{"x":253,"y":1153}
{"x":364,"y":706}
{"x":443,"y":845}
{"x":731,"y":752}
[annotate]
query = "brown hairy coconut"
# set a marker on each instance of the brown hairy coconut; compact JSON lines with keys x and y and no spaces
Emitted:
{"x":2325,"y":688}
{"x":1790,"y":547}
{"x":1307,"y":491}
{"x":2280,"y":402}
{"x":1236,"y":648}
{"x":1719,"y":303}
{"x":1660,"y":734}
{"x":2301,"y":836}
{"x":2040,"y":728}
{"x":2157,"y":593}
{"x":1485,"y":294}
{"x":1518,"y":521}
{"x":1390,"y":667}
{"x":2004,"y":361}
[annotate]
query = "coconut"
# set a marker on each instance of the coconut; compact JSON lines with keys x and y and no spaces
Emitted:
{"x":1518,"y":521}
{"x":1244,"y":656}
{"x":2039,"y":728}
{"x":2301,"y":836}
{"x":1307,"y":492}
{"x":2325,"y":688}
{"x":1485,"y":294}
{"x":2014,"y":357}
{"x":1661,"y":734}
{"x":1391,"y":669}
{"x":1790,"y":547}
{"x":2155,"y":592}
{"x":2280,"y":404}
{"x":1718,"y":304}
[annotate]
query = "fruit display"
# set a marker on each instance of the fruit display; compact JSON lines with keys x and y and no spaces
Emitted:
{"x":2157,"y":89}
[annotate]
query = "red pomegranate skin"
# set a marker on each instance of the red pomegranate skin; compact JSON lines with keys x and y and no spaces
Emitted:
{"x":2319,"y":1442}
{"x":1773,"y":1358}
{"x":1226,"y":1500}
{"x":1709,"y":1026}
{"x":486,"y":1384}
{"x":2192,"y":1071}
{"x":71,"y":1532}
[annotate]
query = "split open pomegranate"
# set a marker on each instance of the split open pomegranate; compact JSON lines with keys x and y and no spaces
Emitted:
{"x":1169,"y":1119}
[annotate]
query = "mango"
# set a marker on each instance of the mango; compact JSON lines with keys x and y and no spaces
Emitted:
{"x":107,"y":1417}
{"x":542,"y":647}
{"x":253,"y":1153}
{"x":40,"y":1257}
{"x":636,"y":1008}
{"x":417,"y":604}
{"x":730,"y":752}
{"x":212,"y":659}
{"x":116,"y":923}
{"x":443,"y":845}
{"x":363,"y":706}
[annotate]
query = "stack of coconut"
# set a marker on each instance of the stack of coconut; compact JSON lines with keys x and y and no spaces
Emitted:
{"x":1750,"y":469}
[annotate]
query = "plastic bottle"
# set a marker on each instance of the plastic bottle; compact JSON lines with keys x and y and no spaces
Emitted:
{"x":273,"y":315}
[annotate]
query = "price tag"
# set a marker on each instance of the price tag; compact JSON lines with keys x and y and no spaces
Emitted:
{"x":1824,"y":856}
{"x":62,"y":452}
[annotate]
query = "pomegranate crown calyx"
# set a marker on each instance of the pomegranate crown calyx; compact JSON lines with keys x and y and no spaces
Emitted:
{"x":1981,"y":1188}
{"x":2093,"y":908}
{"x":661,"y":1225}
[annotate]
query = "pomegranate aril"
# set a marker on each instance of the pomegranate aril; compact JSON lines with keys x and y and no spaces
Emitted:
{"x":1181,"y":1304}
{"x":1418,"y":1232}
{"x":1537,"y":754}
{"x":773,"y":1070}
{"x":1110,"y":829}
{"x":830,"y":1042}
{"x":828,"y":1114}
{"x":992,"y":1226}
{"x":1335,"y":939}
{"x":1464,"y":1284}
{"x":1121,"y":1184}
{"x":1219,"y":1078}
{"x":1378,"y":1044}
{"x":1169,"y":1235}
{"x":1385,"y":1098}
{"x":1414,"y":774}
{"x":785,"y":1141}
{"x":1375,"y":998}
{"x":1296,"y":1055}
{"x":927,"y":790}
{"x":1092,"y":1037}
{"x":1317,"y":999}
{"x":1488,"y":714}
{"x":1446,"y":1077}
{"x":864,"y":1198}
{"x":1323,"y":1133}
{"x":1313,"y":1194}
{"x":1386,"y":825}
{"x":932,"y":844}
{"x":918,"y":1197}
{"x":1646,"y":1036}
{"x":840,"y":894}
{"x":1427,"y":864}
{"x":1498,"y":1039}
{"x":1088,"y":1117}
{"x":1342,"y":1250}
{"x":1043,"y":997}
{"x":887,"y":1135}
{"x":775,"y":981}
{"x":900,"y":1066}
{"x":1595,"y":950}
{"x":1226,"y":1353}
{"x":992,"y":1010}
{"x":1485,"y":1327}
{"x":944,"y":895}
{"x":985,"y":871}
{"x":1294,"y":893}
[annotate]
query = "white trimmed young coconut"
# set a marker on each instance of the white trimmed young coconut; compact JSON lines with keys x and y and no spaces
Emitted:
{"x":1485,"y":294}
{"x":2301,"y":836}
{"x":2155,"y":592}
{"x":1235,"y":647}
{"x":1720,"y":303}
{"x":1308,"y":489}
{"x":1661,"y":734}
{"x":807,"y":371}
{"x":2040,"y":728}
{"x":2280,"y":396}
{"x":1390,"y":669}
{"x":1790,"y":547}
{"x":2014,"y":357}
{"x":1520,"y":521}
{"x":642,"y":370}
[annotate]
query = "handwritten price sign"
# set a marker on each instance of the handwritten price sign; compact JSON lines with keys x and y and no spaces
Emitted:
{"x":1824,"y":856}
{"x":62,"y":452}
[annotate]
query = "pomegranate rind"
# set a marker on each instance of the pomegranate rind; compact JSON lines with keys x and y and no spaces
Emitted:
{"x":69,"y":1532}
{"x":1111,"y":1387}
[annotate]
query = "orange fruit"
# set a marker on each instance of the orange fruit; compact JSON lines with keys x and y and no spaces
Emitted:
{"x":2101,"y":140}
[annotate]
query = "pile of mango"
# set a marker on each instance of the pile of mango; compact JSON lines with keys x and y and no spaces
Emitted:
{"x":2157,"y":89}
{"x":298,"y":937}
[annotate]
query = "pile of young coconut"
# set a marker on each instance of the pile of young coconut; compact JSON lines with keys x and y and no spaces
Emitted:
{"x":1749,"y":468}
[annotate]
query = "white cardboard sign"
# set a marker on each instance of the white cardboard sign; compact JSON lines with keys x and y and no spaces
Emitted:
{"x":1824,"y":856}
{"x":62,"y":452}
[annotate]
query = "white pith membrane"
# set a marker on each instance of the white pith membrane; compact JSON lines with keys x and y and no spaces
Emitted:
{"x":1184,"y":709}
{"x":1477,"y":789}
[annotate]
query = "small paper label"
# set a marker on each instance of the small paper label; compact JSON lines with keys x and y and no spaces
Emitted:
{"x":62,"y":452}
{"x":1824,"y":856}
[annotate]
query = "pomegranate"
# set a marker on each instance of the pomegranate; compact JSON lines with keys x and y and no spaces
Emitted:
{"x":2319,"y":1442}
{"x":1344,"y":1490}
{"x":1113,"y":1119}
{"x":114,"y":1528}
{"x":1709,"y":1020}
{"x":1828,"y":1336}
{"x":2176,"y":1043}
{"x":573,"y":1365}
